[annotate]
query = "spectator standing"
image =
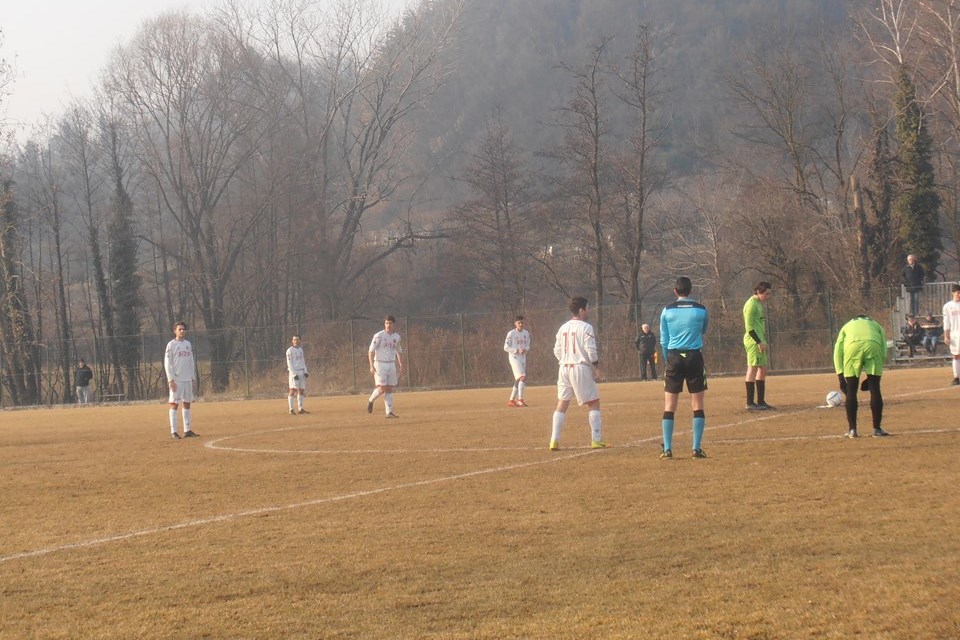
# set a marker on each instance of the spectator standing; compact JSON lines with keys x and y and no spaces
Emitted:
{"x":647,"y":346}
{"x":82,"y":377}
{"x":913,"y":277}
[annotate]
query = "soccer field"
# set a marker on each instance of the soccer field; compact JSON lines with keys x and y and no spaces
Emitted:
{"x":455,"y":521}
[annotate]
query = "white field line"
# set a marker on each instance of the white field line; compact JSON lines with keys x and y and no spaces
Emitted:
{"x":228,"y":517}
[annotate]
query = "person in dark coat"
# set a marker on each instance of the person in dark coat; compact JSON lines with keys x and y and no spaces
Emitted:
{"x":82,"y":377}
{"x":913,"y":277}
{"x":647,"y":346}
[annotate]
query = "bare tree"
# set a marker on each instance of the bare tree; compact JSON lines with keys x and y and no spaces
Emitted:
{"x":637,"y":172}
{"x":200,"y":121}
{"x":495,"y":227}
{"x":21,"y":362}
{"x":583,"y":156}
{"x":355,"y":79}
{"x":44,"y":169}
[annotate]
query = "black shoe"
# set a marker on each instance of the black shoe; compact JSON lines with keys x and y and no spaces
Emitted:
{"x":955,"y":382}
{"x":303,"y":411}
{"x":751,"y":406}
{"x":852,"y":433}
{"x":763,"y":406}
{"x":392,"y":415}
{"x":370,"y":407}
{"x":190,"y":434}
{"x":175,"y":435}
{"x":699,"y":453}
{"x":879,"y":433}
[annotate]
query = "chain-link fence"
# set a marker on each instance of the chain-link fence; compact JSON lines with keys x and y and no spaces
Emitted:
{"x":457,"y":351}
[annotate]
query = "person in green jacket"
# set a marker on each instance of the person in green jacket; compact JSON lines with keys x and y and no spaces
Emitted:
{"x":755,"y":344}
{"x":861,"y":347}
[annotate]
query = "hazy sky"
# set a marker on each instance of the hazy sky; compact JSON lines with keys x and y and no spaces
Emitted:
{"x":59,"y":47}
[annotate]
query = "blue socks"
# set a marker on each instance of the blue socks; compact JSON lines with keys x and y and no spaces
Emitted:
{"x":667,"y":430}
{"x":698,"y":426}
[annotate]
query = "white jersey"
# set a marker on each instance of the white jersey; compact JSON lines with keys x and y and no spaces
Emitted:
{"x":951,"y":323}
{"x":576,"y":343}
{"x":296,"y":364}
{"x":178,"y":361}
{"x":385,"y":346}
{"x":517,"y":341}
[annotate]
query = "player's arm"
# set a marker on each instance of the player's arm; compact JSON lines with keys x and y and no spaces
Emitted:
{"x":508,"y":344}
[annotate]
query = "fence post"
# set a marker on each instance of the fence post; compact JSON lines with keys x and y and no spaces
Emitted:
{"x":830,"y":320}
{"x":246,"y":361}
{"x":353,"y":356}
{"x":408,"y":358}
{"x":463,"y":351}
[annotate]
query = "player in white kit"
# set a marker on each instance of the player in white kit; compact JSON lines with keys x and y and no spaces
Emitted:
{"x":576,"y":351}
{"x":951,"y":330}
{"x":296,"y":375}
{"x":180,"y":368}
{"x":517,"y":345}
{"x":385,"y":365}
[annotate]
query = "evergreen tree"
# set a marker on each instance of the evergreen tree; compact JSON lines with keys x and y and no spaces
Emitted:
{"x":918,"y":205}
{"x":124,"y":276}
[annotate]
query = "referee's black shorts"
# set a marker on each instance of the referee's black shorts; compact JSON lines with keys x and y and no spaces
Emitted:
{"x":685,"y":366}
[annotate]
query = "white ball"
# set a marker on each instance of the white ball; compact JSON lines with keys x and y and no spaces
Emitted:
{"x":834,"y":398}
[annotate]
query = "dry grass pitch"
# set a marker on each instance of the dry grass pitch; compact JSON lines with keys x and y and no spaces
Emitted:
{"x":457,"y":522}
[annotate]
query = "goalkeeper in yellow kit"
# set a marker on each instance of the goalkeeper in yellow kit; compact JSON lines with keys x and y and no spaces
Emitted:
{"x":755,"y":344}
{"x":861,"y":347}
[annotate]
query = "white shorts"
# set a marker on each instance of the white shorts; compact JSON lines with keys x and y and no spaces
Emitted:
{"x":577,"y":381}
{"x":519,"y":365}
{"x":296,"y":384}
{"x":385,"y":373}
{"x":184,"y":393}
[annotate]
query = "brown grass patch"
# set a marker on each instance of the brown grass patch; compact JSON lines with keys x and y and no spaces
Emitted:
{"x":456,"y":522}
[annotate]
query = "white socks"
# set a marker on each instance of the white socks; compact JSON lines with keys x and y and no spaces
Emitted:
{"x":520,"y":387}
{"x":388,"y":403}
{"x":290,"y":402}
{"x":186,"y":419}
{"x":956,"y":367}
{"x":375,"y":394}
{"x":173,"y":420}
{"x":558,"y":419}
{"x":594,"y":417}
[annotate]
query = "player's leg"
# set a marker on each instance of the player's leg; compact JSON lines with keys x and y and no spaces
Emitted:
{"x":956,"y":369}
{"x":596,"y":424}
{"x":290,"y":396}
{"x":173,"y":420}
{"x":564,"y":395}
{"x":696,"y":379}
{"x":521,"y":388}
{"x":186,"y":391}
{"x":673,"y":376}
{"x":301,"y":395}
{"x":753,"y":363}
{"x":377,"y":388}
{"x":876,"y":404}
{"x":388,"y":400}
{"x":852,"y":367}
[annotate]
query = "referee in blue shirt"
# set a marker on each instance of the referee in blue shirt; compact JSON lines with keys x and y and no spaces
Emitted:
{"x":682,"y":325}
